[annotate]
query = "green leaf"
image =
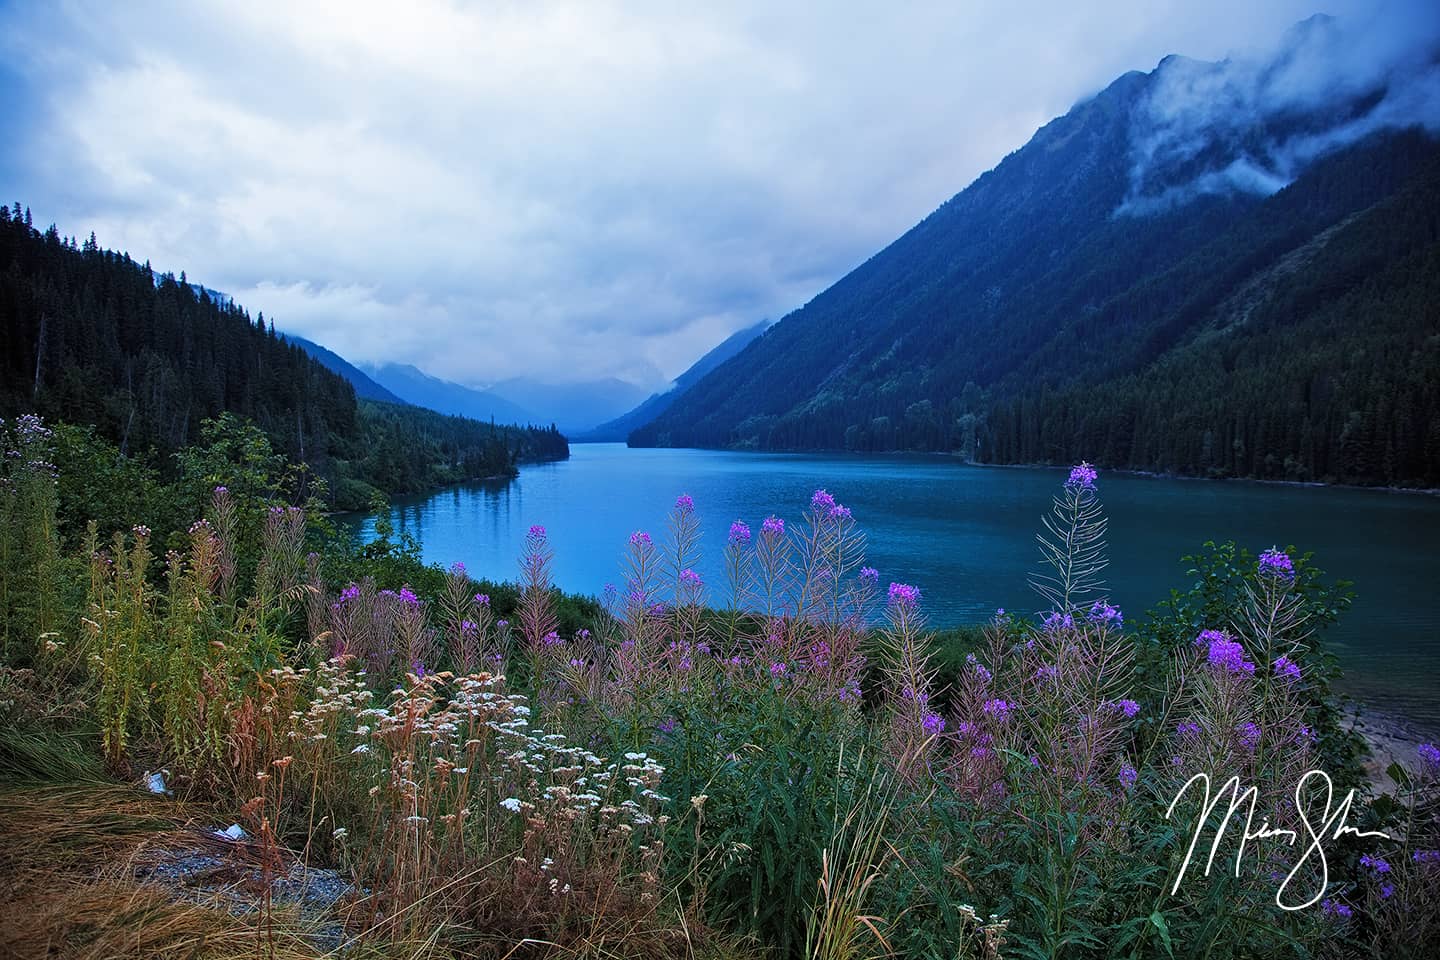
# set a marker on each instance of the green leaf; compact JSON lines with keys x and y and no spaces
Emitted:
{"x":1159,"y":923}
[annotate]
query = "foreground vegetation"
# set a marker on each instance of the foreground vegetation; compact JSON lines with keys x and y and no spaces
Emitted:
{"x":787,"y":764}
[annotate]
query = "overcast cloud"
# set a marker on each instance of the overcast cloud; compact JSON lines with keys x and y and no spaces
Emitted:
{"x":563,"y":191}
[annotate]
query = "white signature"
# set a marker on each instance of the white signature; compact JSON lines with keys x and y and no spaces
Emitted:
{"x":1331,"y":826}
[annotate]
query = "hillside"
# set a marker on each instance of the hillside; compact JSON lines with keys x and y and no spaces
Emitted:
{"x":365,"y":388}
{"x":1090,"y":263}
{"x":89,"y":336}
{"x":657,"y":403}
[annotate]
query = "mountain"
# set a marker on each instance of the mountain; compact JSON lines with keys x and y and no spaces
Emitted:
{"x":422,"y":390}
{"x":365,"y":387}
{"x":657,"y":403}
{"x":574,"y":407}
{"x":88,"y":336}
{"x":1164,"y":278}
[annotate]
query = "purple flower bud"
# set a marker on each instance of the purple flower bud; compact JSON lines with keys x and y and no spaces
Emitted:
{"x":740,"y":533}
{"x":684,"y":504}
{"x":822,"y":503}
{"x":773,"y":526}
{"x":870,"y":575}
{"x":1285,"y":667}
{"x":537,"y":532}
{"x":1275,"y":563}
{"x":1128,"y":775}
{"x":904,"y":595}
{"x":640,"y":538}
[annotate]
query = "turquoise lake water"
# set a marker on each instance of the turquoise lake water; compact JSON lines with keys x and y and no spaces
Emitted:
{"x":966,"y":536}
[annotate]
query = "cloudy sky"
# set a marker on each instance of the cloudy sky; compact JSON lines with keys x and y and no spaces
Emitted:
{"x":557,"y":190}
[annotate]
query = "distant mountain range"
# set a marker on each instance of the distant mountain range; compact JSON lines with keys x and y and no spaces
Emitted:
{"x":1162,"y":279}
{"x":657,"y":403}
{"x":416,"y":387}
{"x":574,"y":407}
{"x":364,"y":386}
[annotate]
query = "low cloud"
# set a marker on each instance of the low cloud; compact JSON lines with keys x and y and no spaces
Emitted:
{"x":1253,"y":122}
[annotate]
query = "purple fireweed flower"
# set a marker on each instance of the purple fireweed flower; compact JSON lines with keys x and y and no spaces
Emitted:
{"x":351,"y":592}
{"x":407,"y":596}
{"x":502,"y":623}
{"x":1082,"y":477}
{"x":140,"y":530}
{"x":1034,"y":760}
{"x":457,"y":568}
{"x":1128,"y":775}
{"x":1336,"y":909}
{"x":537,"y":532}
{"x":1128,"y":707}
{"x":822,"y":503}
{"x":684,"y":504}
{"x":582,"y":634}
{"x":1386,"y":890}
{"x":914,"y":696}
{"x":1429,"y":754}
{"x":577,"y":663}
{"x":222,"y":489}
{"x":1287,"y":668}
{"x":850,"y":693}
{"x":979,"y":753}
{"x":483,"y":599}
{"x":870,"y":575}
{"x":1103,"y":613}
{"x":1208,"y":637}
{"x":468,"y":626}
{"x":551,"y":639}
{"x":740,"y":533}
{"x":1375,"y":863}
{"x":1276,"y":563}
{"x":1248,"y":734}
{"x":1229,"y":655}
{"x":690,"y":578}
{"x":1426,"y":856}
{"x":778,"y":669}
{"x":1303,"y":734}
{"x":978,"y":668}
{"x":667,"y":725}
{"x":904,"y":595}
{"x":933,"y":724}
{"x":1045,"y":672}
{"x":839,"y":512}
{"x":773,"y":526}
{"x":639,"y":538}
{"x":999,"y":709}
{"x":1055,"y":622}
{"x":418,"y":668}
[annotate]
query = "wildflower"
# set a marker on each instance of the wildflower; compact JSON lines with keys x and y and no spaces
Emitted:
{"x":1228,"y":654}
{"x":1128,"y":775}
{"x":870,"y":575}
{"x":778,"y":669}
{"x":1082,"y":477}
{"x":1334,"y":908}
{"x":999,"y":709}
{"x":511,"y":803}
{"x":684,"y":504}
{"x":1277,"y":564}
{"x":667,"y":725}
{"x":933,"y":724}
{"x":1055,"y":621}
{"x":1128,"y":707}
{"x":1375,"y":863}
{"x":1045,"y":673}
{"x":773,"y":526}
{"x":739,"y":533}
{"x":1429,"y":754}
{"x":640,"y":538}
{"x":1248,"y":734}
{"x":537,"y":532}
{"x":1426,"y":856}
{"x":407,"y":596}
{"x":340,"y":833}
{"x":1387,"y":890}
{"x":822,"y":503}
{"x":978,"y":668}
{"x":457,"y":569}
{"x":904,"y":595}
{"x":1303,"y":734}
{"x":1188,"y":729}
{"x":690,"y":578}
{"x":222,"y":490}
{"x":551,"y":639}
{"x":1287,"y":668}
{"x":1104,"y":613}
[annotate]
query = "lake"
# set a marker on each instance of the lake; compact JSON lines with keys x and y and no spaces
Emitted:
{"x":966,"y":536}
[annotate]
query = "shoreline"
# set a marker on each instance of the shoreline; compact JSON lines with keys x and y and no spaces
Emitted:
{"x":1390,"y":739}
{"x":1156,"y":474}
